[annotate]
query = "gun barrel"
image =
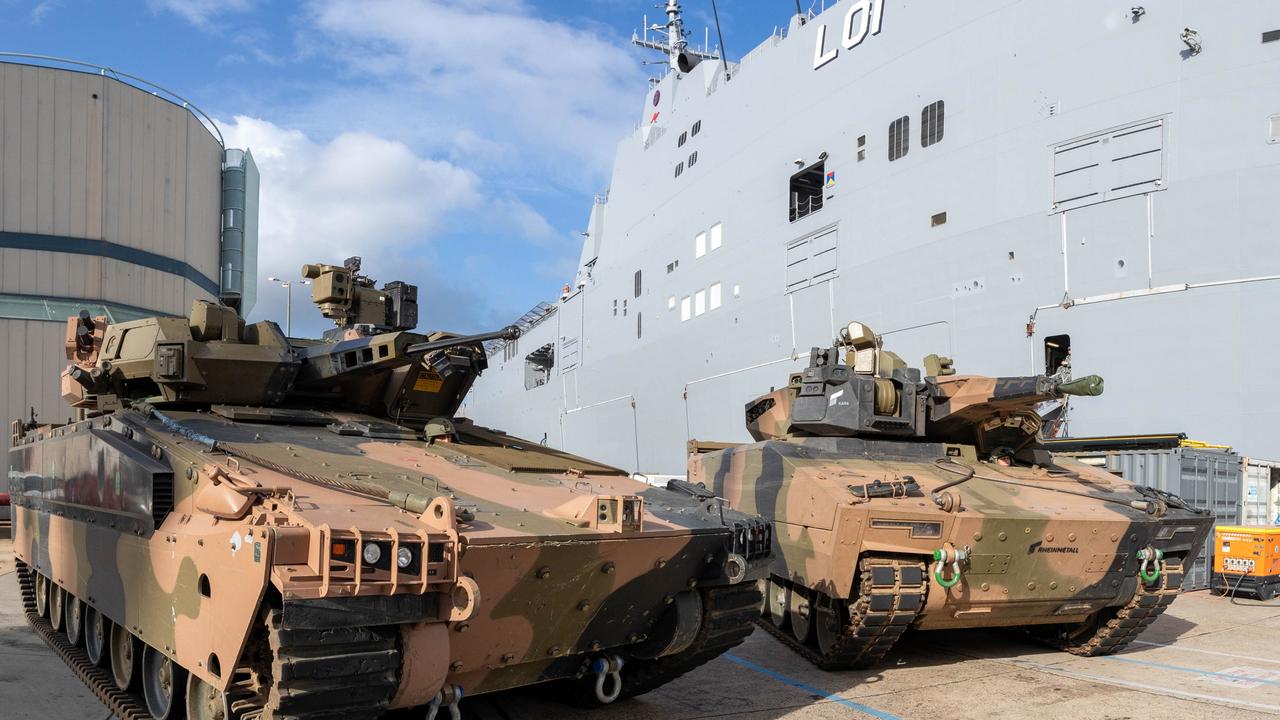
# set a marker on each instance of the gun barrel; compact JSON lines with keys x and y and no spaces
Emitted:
{"x":510,"y":332}
{"x":1089,"y":385}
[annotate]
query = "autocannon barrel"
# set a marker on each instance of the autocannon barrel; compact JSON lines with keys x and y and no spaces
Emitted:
{"x":1089,"y":385}
{"x":510,"y":332}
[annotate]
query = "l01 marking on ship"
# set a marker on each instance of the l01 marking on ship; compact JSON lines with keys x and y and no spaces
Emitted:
{"x":869,"y":14}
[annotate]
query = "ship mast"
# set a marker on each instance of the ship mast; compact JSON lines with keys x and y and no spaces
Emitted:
{"x":671,"y":40}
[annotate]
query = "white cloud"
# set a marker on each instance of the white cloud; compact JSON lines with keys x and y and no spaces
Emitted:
{"x":357,"y":194}
{"x":201,"y":12}
{"x":536,"y":97}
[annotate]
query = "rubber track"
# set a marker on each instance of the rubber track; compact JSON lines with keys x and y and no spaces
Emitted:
{"x":892,"y":593}
{"x":727,"y":615}
{"x":332,"y":673}
{"x":1143,"y":608}
{"x":98,"y":680}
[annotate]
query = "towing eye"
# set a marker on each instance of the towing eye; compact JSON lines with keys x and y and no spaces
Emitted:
{"x":1147,"y":555}
{"x":607,"y":668}
{"x":948,"y":556}
{"x":448,"y":697}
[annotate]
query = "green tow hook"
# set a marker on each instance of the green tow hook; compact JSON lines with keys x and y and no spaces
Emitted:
{"x":1149,"y":571}
{"x":944,"y":556}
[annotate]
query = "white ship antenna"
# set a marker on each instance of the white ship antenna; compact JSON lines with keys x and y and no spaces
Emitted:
{"x":672,"y":40}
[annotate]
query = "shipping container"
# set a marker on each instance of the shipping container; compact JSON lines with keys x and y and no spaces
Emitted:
{"x":1207,"y":477}
{"x":1260,"y":501}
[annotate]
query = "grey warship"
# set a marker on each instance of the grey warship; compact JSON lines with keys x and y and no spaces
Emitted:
{"x":1018,"y":185}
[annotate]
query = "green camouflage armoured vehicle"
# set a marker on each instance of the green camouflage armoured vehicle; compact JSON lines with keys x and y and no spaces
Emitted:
{"x":900,"y":500}
{"x":243,"y":525}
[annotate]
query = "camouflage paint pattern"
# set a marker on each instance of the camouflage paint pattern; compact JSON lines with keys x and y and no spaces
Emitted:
{"x":1048,"y":540}
{"x":185,"y":517}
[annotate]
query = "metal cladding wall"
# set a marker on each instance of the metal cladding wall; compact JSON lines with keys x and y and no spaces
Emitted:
{"x":1206,"y":478}
{"x":109,"y":201}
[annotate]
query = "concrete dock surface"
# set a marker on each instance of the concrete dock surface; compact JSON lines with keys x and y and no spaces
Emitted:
{"x":1204,"y":657}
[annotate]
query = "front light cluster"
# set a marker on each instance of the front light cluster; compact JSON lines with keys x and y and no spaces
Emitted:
{"x":372,"y":554}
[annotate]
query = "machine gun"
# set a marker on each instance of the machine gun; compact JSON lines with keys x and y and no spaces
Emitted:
{"x":872,"y":393}
{"x":370,"y":363}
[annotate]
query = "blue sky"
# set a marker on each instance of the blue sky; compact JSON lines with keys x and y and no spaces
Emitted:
{"x":455,"y":144}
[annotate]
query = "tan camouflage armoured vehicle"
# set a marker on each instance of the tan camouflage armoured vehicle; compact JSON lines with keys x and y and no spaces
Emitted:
{"x":907,"y":501}
{"x":243,"y":525}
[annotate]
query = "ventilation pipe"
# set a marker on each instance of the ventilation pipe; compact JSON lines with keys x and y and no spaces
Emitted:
{"x":238,"y":252}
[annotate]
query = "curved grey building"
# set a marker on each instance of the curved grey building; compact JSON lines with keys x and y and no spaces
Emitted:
{"x":110,"y":201}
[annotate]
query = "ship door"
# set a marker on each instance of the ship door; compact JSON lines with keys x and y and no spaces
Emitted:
{"x":810,"y":277}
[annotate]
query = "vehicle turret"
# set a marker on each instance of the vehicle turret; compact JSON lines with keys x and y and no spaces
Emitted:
{"x":870,"y":392}
{"x":370,"y":362}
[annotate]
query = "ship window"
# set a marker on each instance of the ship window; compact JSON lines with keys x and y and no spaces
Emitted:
{"x":684,"y":137}
{"x":637,"y":283}
{"x":679,"y":169}
{"x":685,"y":308}
{"x":697,"y":128}
{"x":615,"y":308}
{"x":931,"y":124}
{"x":671,"y":302}
{"x":899,"y":137}
{"x":699,"y":302}
{"x":862,"y":148}
{"x":939,"y":219}
{"x":637,"y":326}
{"x":715,"y":237}
{"x":1057,"y":354}
{"x":1271,"y":36}
{"x":700,"y":245}
{"x":671,"y":266}
{"x":538,"y":365}
{"x":806,"y":191}
{"x":713,"y":299}
{"x":624,"y":308}
{"x":693,"y":158}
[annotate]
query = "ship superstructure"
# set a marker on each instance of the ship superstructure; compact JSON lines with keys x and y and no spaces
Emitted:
{"x":1018,"y":185}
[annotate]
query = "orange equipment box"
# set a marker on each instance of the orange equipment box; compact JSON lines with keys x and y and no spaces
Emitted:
{"x":1247,"y":558}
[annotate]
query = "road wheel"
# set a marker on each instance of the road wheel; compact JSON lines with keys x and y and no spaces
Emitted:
{"x":778,"y":600}
{"x":830,"y":620}
{"x":57,"y":607}
{"x":74,"y":609}
{"x":163,"y":685}
{"x":42,"y":596}
{"x":204,"y":701}
{"x":126,"y":658}
{"x":96,"y":629}
{"x":801,"y":614}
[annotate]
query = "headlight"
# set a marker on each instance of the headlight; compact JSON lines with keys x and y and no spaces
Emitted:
{"x":372,"y":553}
{"x":404,"y":556}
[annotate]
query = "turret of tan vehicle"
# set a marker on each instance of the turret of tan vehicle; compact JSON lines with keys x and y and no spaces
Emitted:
{"x":907,"y":499}
{"x":246,"y":526}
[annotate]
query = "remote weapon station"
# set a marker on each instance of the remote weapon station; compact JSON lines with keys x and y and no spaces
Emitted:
{"x":243,"y":525}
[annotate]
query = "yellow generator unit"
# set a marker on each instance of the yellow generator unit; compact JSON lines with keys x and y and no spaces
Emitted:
{"x":1247,"y":559}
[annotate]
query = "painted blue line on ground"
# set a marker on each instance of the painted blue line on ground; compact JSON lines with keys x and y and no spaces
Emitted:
{"x":810,"y":689}
{"x":1196,"y":671}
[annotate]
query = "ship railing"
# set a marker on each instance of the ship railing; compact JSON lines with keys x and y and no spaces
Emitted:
{"x":801,"y":207}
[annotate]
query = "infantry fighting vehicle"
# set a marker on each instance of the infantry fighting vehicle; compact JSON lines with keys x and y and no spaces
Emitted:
{"x":244,"y":525}
{"x":901,"y":500}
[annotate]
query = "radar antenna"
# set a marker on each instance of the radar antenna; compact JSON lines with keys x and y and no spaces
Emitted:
{"x":671,"y":40}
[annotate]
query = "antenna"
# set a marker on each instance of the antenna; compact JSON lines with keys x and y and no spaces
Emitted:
{"x":716,"y":13}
